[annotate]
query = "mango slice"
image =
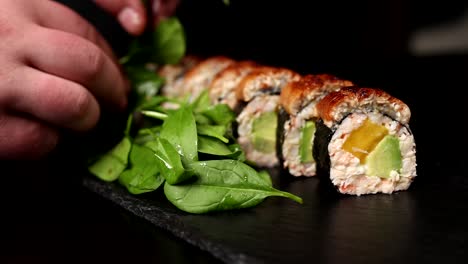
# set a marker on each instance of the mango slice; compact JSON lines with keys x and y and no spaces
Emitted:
{"x":364,"y":139}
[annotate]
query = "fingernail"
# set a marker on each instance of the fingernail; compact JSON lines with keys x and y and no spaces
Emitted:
{"x":156,"y":6}
{"x":130,"y":18}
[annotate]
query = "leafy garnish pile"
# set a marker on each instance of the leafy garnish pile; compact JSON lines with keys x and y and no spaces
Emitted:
{"x":189,"y":150}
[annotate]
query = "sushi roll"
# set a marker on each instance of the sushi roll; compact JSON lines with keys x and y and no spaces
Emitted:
{"x":223,"y":87}
{"x":257,"y":121}
{"x":173,"y":75}
{"x":298,"y":115}
{"x":199,"y":78}
{"x":364,"y":142}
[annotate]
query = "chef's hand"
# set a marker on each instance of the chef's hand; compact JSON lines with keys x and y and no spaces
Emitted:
{"x":57,"y":71}
{"x":132,"y":15}
{"x":54,"y":69}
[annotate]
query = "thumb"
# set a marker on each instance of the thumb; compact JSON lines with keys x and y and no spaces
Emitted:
{"x":130,"y":13}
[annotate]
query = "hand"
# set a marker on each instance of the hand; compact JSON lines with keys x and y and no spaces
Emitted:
{"x":54,"y":69}
{"x":162,"y":9}
{"x":132,"y":14}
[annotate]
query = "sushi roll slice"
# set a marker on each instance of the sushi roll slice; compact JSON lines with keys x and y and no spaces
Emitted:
{"x":223,"y":86}
{"x":298,"y":115}
{"x":173,"y":75}
{"x":199,"y":78}
{"x":258,"y":119}
{"x":364,"y":141}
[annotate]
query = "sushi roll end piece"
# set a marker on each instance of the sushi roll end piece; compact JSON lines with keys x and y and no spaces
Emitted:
{"x":371,"y":148}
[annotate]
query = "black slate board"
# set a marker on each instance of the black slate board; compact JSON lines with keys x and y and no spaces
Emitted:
{"x":326,"y":228}
{"x":425,"y":223}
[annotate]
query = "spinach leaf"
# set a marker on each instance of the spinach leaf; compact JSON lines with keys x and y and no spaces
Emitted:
{"x":222,"y":185}
{"x":152,"y":103}
{"x":165,"y":45}
{"x":266,"y":177}
{"x":169,"y":42}
{"x":181,"y":131}
{"x":220,"y":114}
{"x":146,"y":83}
{"x":137,"y":52}
{"x":113,"y":163}
{"x":142,"y":176}
{"x":154,"y":114}
{"x":213,"y":131}
{"x":143,"y":138}
{"x":202,"y":102}
{"x":154,"y":131}
{"x":168,"y":161}
{"x":237,"y":152}
{"x":145,"y":135}
{"x":128,"y":126}
{"x":213,"y":146}
{"x":202,"y":120}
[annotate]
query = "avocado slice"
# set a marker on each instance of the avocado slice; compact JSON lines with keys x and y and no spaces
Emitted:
{"x":385,"y":157}
{"x":264,"y":132}
{"x":306,"y":142}
{"x":363,"y":140}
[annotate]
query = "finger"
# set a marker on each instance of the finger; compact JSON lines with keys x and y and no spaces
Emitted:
{"x":25,"y":138}
{"x":50,"y":98}
{"x":163,"y":9}
{"x":57,"y":16}
{"x":76,"y":59}
{"x":130,"y":13}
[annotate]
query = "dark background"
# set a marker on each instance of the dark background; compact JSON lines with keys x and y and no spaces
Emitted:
{"x":294,"y":31}
{"x":48,"y":217}
{"x":307,"y":36}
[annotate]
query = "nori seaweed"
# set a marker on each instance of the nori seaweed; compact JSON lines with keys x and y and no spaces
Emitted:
{"x":235,"y":125}
{"x":239,"y":107}
{"x":323,"y":135}
{"x":283,"y":117}
{"x":270,"y":90}
{"x":235,"y":131}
